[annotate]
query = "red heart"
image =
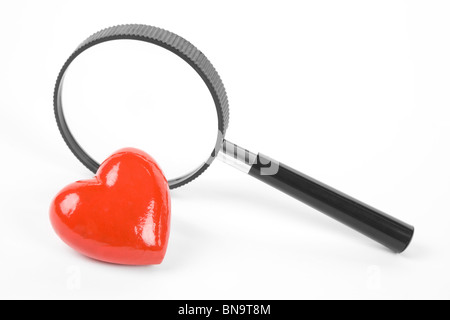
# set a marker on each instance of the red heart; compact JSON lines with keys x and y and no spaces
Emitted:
{"x":121,"y":216}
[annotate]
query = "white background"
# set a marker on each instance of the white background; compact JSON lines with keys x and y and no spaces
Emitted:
{"x":353,"y":93}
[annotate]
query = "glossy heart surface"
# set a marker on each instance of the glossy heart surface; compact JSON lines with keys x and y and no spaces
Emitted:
{"x":121,"y":216}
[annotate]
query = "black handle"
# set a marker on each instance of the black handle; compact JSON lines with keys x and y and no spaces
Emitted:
{"x":389,"y":231}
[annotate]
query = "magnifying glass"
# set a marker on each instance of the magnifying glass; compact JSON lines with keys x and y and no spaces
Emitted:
{"x":386,"y":230}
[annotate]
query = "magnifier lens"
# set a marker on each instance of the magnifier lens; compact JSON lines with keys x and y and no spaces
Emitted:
{"x":130,"y":94}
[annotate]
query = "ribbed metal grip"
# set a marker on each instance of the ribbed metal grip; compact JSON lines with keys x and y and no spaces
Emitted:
{"x":172,"y":42}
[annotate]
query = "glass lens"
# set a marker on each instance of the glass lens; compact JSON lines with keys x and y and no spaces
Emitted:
{"x":133,"y":94}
